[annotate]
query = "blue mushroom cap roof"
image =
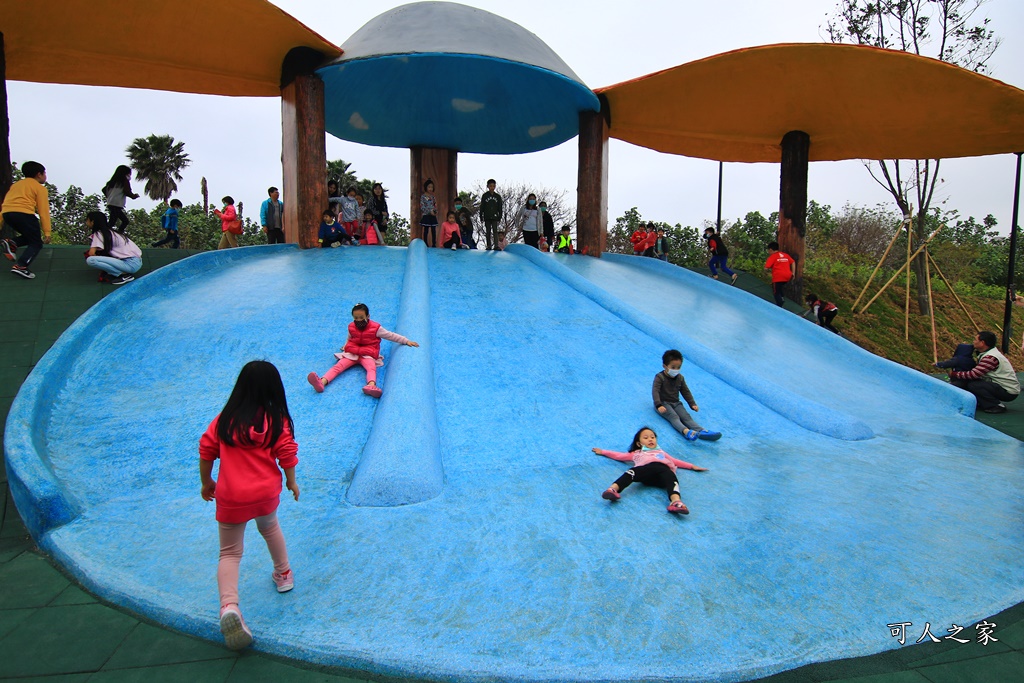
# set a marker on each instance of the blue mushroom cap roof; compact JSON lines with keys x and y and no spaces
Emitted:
{"x":440,"y":74}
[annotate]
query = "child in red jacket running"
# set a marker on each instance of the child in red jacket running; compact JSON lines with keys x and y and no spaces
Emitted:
{"x":781,"y":264}
{"x":362,"y":347}
{"x":651,"y":467}
{"x":252,"y":437}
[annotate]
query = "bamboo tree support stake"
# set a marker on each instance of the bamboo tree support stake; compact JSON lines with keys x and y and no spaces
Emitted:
{"x":931,"y":305}
{"x":905,"y":265}
{"x":953,"y":292}
{"x":906,"y":308}
{"x":867,"y":284}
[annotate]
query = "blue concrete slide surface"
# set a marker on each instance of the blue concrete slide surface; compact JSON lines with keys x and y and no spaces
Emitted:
{"x":454,"y":530}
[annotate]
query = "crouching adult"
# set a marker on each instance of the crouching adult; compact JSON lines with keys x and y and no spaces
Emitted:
{"x":111,"y":251}
{"x":993,"y":380}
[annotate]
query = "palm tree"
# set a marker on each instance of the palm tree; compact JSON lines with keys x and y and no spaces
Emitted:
{"x":158,"y":160}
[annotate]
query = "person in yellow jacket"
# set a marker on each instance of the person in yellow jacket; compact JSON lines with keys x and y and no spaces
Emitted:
{"x":24,"y":200}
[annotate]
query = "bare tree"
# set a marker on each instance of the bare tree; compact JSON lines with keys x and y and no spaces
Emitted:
{"x":943,"y":29}
{"x":514,"y":195}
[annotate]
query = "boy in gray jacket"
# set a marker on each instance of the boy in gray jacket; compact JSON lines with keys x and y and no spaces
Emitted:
{"x":668,"y":385}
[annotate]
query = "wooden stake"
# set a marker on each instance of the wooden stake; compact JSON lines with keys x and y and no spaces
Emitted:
{"x":867,"y":284}
{"x":931,"y":306}
{"x":953,"y":292}
{"x":906,"y":319}
{"x":905,"y":265}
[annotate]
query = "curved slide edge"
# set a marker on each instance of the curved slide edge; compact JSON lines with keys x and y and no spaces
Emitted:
{"x":41,"y":498}
{"x":401,"y":460}
{"x":961,"y":401}
{"x":808,"y":414}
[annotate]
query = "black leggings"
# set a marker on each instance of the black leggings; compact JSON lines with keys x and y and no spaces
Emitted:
{"x":429,"y":228}
{"x":172,"y":239}
{"x":117,"y":216}
{"x":26,"y":227}
{"x":652,"y":474}
{"x":825,"y":319}
{"x":531,"y":238}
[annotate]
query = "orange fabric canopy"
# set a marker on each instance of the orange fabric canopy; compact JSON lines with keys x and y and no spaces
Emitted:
{"x":855,"y":102}
{"x":215,"y":47}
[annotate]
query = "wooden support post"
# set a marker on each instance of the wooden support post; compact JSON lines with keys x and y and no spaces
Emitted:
{"x":931,"y":306}
{"x":953,"y":292}
{"x":906,"y":309}
{"x":592,"y":184}
{"x":796,"y":146}
{"x":303,"y":147}
{"x":441,"y":166}
{"x":880,"y":262}
{"x":905,"y":265}
{"x":6,"y":177}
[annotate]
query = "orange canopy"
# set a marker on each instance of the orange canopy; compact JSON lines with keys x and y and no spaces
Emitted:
{"x":215,"y":47}
{"x":855,"y":102}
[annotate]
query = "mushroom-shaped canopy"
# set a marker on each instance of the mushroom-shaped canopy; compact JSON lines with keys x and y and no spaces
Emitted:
{"x":440,"y":74}
{"x":137,"y":44}
{"x":855,"y":102}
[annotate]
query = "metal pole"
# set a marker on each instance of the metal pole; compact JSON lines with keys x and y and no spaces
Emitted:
{"x":1007,"y":313}
{"x":718,"y":224}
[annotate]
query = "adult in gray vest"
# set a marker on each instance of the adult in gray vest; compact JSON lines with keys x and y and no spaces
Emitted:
{"x":992,"y":380}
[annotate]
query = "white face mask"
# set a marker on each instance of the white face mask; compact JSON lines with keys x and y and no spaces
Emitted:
{"x":672,"y":373}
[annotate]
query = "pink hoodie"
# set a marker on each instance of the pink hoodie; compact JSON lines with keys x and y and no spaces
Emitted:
{"x":641,"y":458}
{"x":249,"y":480}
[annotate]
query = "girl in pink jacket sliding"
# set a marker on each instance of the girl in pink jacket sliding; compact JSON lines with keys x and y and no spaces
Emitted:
{"x":651,"y":467}
{"x":361,"y":348}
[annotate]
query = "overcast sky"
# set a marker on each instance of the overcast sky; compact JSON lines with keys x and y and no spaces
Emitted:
{"x":80,"y":133}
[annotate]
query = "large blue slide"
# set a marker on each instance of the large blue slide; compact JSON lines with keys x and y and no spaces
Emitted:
{"x":454,"y":530}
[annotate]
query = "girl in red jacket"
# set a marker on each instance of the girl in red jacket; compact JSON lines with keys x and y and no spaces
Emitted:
{"x":362,"y":347}
{"x":652,"y":467}
{"x":252,"y":437}
{"x":227,"y":219}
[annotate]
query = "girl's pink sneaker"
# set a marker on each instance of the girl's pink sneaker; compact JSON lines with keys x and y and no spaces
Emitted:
{"x":237,"y":635}
{"x":677,"y":508}
{"x":372,"y":390}
{"x":610,"y":494}
{"x":314,"y":379}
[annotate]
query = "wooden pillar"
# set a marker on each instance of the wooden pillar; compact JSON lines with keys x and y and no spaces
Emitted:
{"x":796,"y":147}
{"x":303,"y":147}
{"x":441,"y":166}
{"x":6,"y":178}
{"x":592,"y":184}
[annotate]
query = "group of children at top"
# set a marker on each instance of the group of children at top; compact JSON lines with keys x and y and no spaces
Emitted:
{"x":348,"y":220}
{"x":253,"y":437}
{"x":457,"y":229}
{"x":650,"y":240}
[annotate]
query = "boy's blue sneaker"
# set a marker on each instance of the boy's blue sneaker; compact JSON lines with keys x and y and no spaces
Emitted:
{"x":707,"y":435}
{"x":691,"y":435}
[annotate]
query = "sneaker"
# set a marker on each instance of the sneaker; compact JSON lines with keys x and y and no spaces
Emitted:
{"x":610,"y":494}
{"x":237,"y":635}
{"x":454,"y":248}
{"x":9,"y":247}
{"x":285,"y":582}
{"x":996,"y":409}
{"x":121,"y":279}
{"x":22,"y":271}
{"x":373,"y":390}
{"x":735,"y":276}
{"x":678,"y":508}
{"x":314,"y":379}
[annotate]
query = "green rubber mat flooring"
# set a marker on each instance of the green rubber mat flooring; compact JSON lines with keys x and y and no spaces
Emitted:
{"x":52,"y":630}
